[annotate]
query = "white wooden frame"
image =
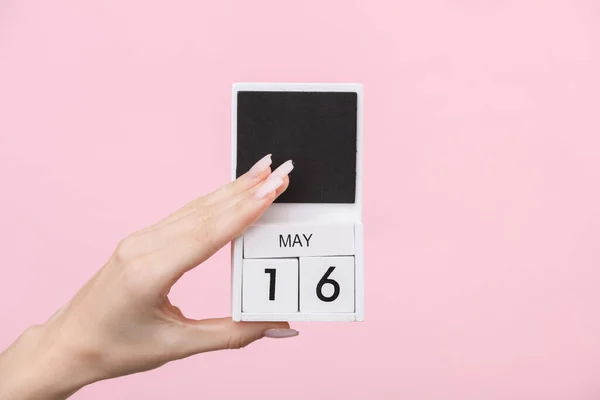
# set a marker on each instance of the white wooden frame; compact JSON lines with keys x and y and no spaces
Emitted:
{"x":282,"y":213}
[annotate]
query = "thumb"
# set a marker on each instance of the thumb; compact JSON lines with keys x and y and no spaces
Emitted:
{"x":223,"y":333}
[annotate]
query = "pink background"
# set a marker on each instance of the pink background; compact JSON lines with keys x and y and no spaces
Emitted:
{"x":481,"y":182}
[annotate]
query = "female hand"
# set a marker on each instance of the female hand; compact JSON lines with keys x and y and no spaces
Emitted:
{"x":121,"y":322}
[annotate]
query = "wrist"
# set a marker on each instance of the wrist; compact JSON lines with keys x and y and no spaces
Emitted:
{"x":40,"y":365}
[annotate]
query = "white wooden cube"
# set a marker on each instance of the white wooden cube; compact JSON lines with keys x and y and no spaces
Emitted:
{"x":270,"y":285}
{"x":327,"y":284}
{"x":298,"y":240}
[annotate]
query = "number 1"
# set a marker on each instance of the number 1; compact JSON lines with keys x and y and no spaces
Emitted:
{"x":271,"y":272}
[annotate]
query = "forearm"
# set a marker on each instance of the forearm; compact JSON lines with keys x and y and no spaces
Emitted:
{"x":36,"y":366}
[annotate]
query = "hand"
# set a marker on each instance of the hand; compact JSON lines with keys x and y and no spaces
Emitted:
{"x":122,"y":322}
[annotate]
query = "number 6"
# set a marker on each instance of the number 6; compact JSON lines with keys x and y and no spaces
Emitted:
{"x":336,"y":287}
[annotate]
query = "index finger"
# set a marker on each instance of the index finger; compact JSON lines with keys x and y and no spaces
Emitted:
{"x":201,"y":235}
{"x":255,"y":175}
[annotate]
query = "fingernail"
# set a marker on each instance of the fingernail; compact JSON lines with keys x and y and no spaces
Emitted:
{"x":284,"y":169}
{"x":260,"y":166}
{"x":280,"y":333}
{"x":268,"y":186}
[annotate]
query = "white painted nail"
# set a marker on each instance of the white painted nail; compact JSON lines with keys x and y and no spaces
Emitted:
{"x":280,"y":333}
{"x":268,"y":186}
{"x":284,"y":169}
{"x":260,"y":166}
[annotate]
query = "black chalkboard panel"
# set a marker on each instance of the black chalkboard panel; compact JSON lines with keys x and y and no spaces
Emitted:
{"x":317,"y":130}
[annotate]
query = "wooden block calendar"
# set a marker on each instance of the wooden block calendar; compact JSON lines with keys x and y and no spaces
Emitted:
{"x":303,"y":260}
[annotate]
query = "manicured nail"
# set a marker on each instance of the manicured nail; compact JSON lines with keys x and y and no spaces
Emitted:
{"x":268,"y":186}
{"x":280,"y":333}
{"x":260,"y":166}
{"x":284,"y":169}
